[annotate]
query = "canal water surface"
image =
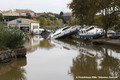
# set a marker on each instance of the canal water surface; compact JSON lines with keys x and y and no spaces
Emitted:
{"x":69,"y":59}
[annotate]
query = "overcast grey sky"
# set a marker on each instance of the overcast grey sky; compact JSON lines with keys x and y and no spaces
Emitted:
{"x":54,"y":6}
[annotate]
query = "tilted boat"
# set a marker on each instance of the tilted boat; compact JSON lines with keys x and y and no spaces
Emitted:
{"x":65,"y":32}
{"x":90,"y":32}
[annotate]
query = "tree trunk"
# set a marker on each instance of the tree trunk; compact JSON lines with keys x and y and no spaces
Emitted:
{"x":106,"y":33}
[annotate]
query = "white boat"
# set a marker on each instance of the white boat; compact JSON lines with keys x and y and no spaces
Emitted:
{"x":90,"y":32}
{"x":65,"y":32}
{"x":82,"y":48}
{"x":37,"y":31}
{"x":64,"y":44}
{"x":88,"y":51}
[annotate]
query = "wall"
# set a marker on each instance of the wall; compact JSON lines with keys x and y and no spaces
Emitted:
{"x":34,"y":26}
{"x":9,"y":55}
{"x":10,"y":13}
{"x":14,"y":23}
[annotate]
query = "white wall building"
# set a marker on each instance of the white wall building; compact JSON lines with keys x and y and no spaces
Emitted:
{"x":24,"y":12}
{"x":10,"y":13}
{"x":24,"y":24}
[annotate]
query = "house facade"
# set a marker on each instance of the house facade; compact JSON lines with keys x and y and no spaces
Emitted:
{"x":9,"y":13}
{"x":24,"y":24}
{"x":67,"y":16}
{"x":25,"y":12}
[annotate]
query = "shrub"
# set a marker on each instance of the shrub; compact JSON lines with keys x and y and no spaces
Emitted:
{"x":10,"y":38}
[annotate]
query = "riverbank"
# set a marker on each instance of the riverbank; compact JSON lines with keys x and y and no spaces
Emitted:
{"x":113,"y":42}
{"x":9,"y":55}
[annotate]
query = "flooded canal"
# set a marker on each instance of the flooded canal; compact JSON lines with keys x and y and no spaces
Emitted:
{"x":64,"y":60}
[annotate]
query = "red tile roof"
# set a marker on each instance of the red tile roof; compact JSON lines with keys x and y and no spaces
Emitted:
{"x":67,"y":14}
{"x":30,"y":20}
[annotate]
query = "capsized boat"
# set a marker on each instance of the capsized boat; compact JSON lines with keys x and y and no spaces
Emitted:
{"x":65,"y":32}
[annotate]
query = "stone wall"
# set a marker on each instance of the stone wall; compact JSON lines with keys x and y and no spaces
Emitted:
{"x":20,"y":52}
{"x":9,"y":55}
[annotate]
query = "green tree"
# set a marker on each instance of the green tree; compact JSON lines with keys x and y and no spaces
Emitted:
{"x":57,"y":22}
{"x":68,"y":22}
{"x":35,"y":19}
{"x":86,"y":10}
{"x":49,"y":22}
{"x":43,"y":22}
{"x":61,"y":13}
{"x":107,"y":21}
{"x":61,"y":22}
{"x":1,"y":17}
{"x":10,"y":38}
{"x":109,"y":14}
{"x":75,"y":22}
{"x":28,"y":16}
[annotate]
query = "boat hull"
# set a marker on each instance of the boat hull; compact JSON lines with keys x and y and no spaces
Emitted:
{"x":68,"y":34}
{"x":65,"y":32}
{"x":90,"y":36}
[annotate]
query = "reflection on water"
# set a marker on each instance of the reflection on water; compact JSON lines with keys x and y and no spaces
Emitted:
{"x":97,"y":61}
{"x":45,"y":44}
{"x":63,"y":60}
{"x":32,"y":43}
{"x":13,"y":70}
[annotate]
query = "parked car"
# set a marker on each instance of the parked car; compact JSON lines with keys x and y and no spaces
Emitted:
{"x":112,"y":34}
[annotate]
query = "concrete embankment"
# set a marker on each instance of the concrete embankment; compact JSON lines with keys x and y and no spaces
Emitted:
{"x":113,"y":42}
{"x":9,"y":55}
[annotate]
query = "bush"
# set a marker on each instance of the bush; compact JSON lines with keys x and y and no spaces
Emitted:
{"x":10,"y":38}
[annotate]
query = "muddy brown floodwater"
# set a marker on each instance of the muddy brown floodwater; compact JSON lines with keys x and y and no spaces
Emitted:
{"x":64,"y":60}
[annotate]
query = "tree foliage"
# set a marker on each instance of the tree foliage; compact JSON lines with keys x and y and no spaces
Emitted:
{"x":35,"y":19}
{"x":28,"y":16}
{"x":57,"y":22}
{"x":68,"y":23}
{"x":1,"y":17}
{"x":43,"y":22}
{"x":88,"y":10}
{"x":61,"y":13}
{"x":49,"y":22}
{"x":75,"y":22}
{"x":10,"y":38}
{"x":85,"y":10}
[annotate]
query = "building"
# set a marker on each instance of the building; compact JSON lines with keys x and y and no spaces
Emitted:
{"x":9,"y":13}
{"x":24,"y":24}
{"x":45,"y":14}
{"x":67,"y":16}
{"x":41,"y":14}
{"x":25,"y":12}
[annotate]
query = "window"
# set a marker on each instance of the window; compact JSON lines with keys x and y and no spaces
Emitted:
{"x":65,"y":28}
{"x":90,"y":29}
